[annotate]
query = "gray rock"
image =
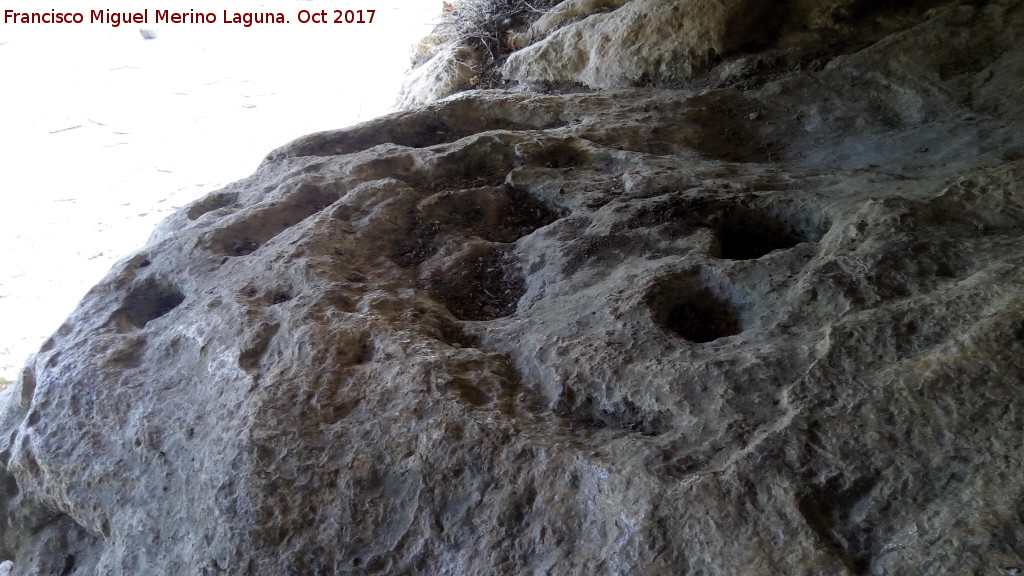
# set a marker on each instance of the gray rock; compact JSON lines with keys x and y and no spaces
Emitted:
{"x":625,"y":332}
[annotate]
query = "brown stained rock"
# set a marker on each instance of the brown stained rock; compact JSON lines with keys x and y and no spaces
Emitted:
{"x":630,"y":332}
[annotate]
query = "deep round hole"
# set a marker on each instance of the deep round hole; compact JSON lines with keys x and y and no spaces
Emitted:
{"x":703,"y":319}
{"x":501,"y":214}
{"x":685,"y":308}
{"x":485,"y":286}
{"x":278,"y":297}
{"x":554,"y":154}
{"x":211,"y":202}
{"x":745,"y":234}
{"x":148,"y":301}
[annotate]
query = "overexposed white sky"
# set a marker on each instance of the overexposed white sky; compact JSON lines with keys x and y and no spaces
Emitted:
{"x":103,"y":133}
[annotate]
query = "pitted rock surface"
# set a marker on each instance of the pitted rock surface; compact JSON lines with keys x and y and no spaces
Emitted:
{"x":778,"y":331}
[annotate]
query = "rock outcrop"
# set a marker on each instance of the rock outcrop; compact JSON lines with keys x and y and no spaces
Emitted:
{"x":774,"y":328}
{"x":638,"y":41}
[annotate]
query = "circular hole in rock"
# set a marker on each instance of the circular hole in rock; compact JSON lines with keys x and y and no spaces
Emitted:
{"x":692,"y":311}
{"x":557,"y":154}
{"x":272,"y":297}
{"x":147,"y":302}
{"x":278,"y":297}
{"x":250,"y":233}
{"x":211,"y":202}
{"x":501,"y":214}
{"x":508,"y":214}
{"x":745,"y":234}
{"x":483,"y":286}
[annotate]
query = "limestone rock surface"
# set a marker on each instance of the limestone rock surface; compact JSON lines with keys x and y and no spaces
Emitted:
{"x":450,"y":70}
{"x":770,"y":329}
{"x":638,"y":41}
{"x":623,"y":43}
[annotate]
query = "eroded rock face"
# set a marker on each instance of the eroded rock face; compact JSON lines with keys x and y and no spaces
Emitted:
{"x":624,"y":43}
{"x":636,"y":41}
{"x":450,"y":70}
{"x":636,"y":332}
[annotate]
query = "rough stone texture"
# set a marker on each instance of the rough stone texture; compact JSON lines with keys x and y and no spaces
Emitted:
{"x":777,"y":330}
{"x":560,"y":15}
{"x":451,"y":69}
{"x":623,"y":43}
{"x":640,"y":41}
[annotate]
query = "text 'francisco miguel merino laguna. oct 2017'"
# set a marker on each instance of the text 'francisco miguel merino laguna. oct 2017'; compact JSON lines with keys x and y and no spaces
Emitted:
{"x":147,"y":16}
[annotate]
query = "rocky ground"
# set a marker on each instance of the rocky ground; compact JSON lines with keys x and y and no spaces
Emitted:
{"x":771,"y":325}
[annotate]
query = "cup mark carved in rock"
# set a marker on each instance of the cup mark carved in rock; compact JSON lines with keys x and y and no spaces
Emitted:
{"x":682,"y":305}
{"x":417,"y":129}
{"x":678,"y":213}
{"x":247,"y":235}
{"x":566,"y":153}
{"x":211,"y":202}
{"x":745,"y":227}
{"x":486,"y":284}
{"x":747,"y":233}
{"x":482,"y":160}
{"x":271,"y":297}
{"x":496,"y":214}
{"x":151,"y":299}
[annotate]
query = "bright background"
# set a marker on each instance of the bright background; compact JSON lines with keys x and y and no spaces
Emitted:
{"x":104,"y":133}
